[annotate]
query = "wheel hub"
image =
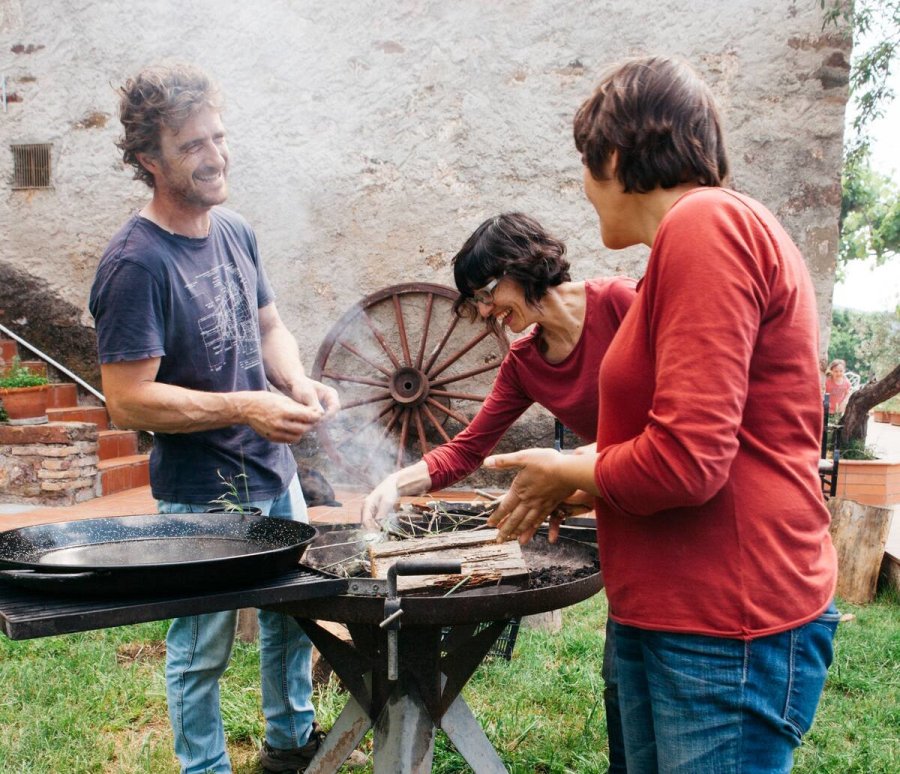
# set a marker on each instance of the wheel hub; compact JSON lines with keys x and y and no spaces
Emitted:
{"x":409,"y":386}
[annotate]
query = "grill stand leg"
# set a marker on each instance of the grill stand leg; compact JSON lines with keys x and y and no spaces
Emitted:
{"x":405,"y":714}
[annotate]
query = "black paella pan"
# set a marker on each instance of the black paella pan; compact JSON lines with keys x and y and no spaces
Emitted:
{"x":157,"y":553}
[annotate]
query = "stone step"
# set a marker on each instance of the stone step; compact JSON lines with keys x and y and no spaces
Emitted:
{"x":121,"y":473}
{"x":62,"y":395}
{"x":117,"y":443}
{"x":94,"y":414}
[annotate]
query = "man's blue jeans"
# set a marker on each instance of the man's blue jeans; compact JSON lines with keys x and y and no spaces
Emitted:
{"x":198,"y":649}
{"x":692,"y":703}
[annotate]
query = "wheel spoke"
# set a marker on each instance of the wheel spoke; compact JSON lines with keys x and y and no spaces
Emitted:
{"x":354,"y":434}
{"x":463,"y":420}
{"x":366,"y":401}
{"x":353,"y":350}
{"x":440,"y":347}
{"x":354,"y":379}
{"x":465,"y":374}
{"x":379,"y":336}
{"x":404,"y":433}
{"x":401,"y":329}
{"x":457,"y":355}
{"x":428,"y":308}
{"x":437,"y":425}
{"x":424,"y":448}
{"x":458,"y":395}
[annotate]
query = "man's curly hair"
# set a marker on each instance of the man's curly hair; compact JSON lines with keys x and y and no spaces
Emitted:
{"x":160,"y":95}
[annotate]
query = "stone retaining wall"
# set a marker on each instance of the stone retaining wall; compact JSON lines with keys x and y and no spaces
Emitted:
{"x":51,"y":464}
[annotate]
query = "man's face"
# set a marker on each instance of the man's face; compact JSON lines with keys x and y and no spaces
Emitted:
{"x":192,"y":165}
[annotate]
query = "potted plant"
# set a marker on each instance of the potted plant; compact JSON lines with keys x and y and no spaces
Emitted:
{"x":23,"y":394}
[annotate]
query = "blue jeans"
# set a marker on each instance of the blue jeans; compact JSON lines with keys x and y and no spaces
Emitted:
{"x":611,"y":704}
{"x":198,"y":649}
{"x":692,"y":703}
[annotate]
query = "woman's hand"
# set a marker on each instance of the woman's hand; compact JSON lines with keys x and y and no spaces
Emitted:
{"x":535,"y":492}
{"x":380,"y":503}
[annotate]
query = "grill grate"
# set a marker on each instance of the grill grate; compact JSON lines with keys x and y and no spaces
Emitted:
{"x":31,"y":165}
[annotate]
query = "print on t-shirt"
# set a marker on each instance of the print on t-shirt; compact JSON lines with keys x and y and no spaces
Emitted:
{"x":230,"y":323}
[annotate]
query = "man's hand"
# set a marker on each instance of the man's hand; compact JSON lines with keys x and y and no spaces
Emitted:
{"x":277,"y":417}
{"x":316,"y":395}
{"x":534,"y":494}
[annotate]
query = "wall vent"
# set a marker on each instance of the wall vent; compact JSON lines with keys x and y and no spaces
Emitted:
{"x":31,"y":165}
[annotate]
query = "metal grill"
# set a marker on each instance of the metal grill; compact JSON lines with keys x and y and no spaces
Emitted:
{"x":31,"y":165}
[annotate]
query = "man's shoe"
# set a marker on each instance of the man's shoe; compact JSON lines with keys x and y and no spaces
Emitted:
{"x":294,"y":760}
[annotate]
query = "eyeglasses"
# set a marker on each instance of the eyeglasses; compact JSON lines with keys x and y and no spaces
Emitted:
{"x":485,"y":295}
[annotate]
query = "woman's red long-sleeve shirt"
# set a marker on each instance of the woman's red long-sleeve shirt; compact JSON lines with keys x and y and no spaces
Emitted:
{"x":711,"y":518}
{"x":567,"y":389}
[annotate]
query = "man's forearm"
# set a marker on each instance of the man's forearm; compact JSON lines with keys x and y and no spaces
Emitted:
{"x":165,"y":408}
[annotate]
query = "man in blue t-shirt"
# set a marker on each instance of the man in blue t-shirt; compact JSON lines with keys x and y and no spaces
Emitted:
{"x":189,"y":340}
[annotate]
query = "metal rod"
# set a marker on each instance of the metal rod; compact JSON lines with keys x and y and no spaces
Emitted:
{"x":354,"y":379}
{"x":58,"y":366}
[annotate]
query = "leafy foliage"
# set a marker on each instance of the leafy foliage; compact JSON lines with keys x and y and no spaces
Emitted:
{"x":18,"y":375}
{"x":869,"y":342}
{"x":870,"y":210}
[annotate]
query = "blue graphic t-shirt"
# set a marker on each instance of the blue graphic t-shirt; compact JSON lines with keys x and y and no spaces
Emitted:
{"x":194,"y":304}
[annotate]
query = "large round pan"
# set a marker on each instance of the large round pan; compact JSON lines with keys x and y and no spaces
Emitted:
{"x":158,"y":553}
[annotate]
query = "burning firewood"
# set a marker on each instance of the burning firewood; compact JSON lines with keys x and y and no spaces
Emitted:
{"x":484,"y":561}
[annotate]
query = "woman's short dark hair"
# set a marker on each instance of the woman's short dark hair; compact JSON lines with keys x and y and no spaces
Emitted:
{"x":661,"y":120}
{"x":509,"y":245}
{"x":161,"y":95}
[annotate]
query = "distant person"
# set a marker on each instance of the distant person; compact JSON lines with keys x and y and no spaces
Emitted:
{"x":510,"y":272}
{"x":189,"y":340}
{"x":712,"y":530}
{"x":837,"y":386}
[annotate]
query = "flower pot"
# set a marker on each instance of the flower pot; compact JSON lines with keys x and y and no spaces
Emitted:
{"x":25,"y":405}
{"x":895,"y":418}
{"x":881,"y":416}
{"x":873,"y":482}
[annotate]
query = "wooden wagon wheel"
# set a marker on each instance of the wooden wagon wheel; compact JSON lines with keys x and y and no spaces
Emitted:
{"x":410,"y":374}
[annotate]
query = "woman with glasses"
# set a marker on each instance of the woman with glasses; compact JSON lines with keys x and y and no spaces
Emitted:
{"x":511,"y":273}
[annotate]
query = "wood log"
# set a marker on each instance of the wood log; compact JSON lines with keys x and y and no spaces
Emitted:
{"x":859,"y":533}
{"x":484,"y":561}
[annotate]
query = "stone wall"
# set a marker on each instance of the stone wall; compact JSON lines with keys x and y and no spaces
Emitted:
{"x":52,"y":464}
{"x":368,"y":139}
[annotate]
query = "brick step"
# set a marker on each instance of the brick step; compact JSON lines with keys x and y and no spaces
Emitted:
{"x":8,"y":350}
{"x":121,"y":473}
{"x":62,"y":395}
{"x":94,"y":414}
{"x":117,"y":443}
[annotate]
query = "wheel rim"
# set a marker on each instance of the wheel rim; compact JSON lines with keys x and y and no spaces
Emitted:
{"x":410,"y":376}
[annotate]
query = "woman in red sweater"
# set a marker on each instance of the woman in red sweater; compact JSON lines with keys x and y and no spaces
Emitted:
{"x":510,"y":272}
{"x":713,"y":535}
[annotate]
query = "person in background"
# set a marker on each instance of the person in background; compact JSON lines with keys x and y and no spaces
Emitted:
{"x":189,"y":339}
{"x":837,"y":386}
{"x":512,"y":273}
{"x":712,"y":530}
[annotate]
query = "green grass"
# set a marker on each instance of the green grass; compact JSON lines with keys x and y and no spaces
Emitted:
{"x":96,"y":702}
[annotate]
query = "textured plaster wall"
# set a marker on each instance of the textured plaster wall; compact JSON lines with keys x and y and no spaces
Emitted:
{"x":369,"y":138}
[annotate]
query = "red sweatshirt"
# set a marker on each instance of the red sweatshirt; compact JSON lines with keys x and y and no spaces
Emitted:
{"x":711,"y":519}
{"x":567,"y":389}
